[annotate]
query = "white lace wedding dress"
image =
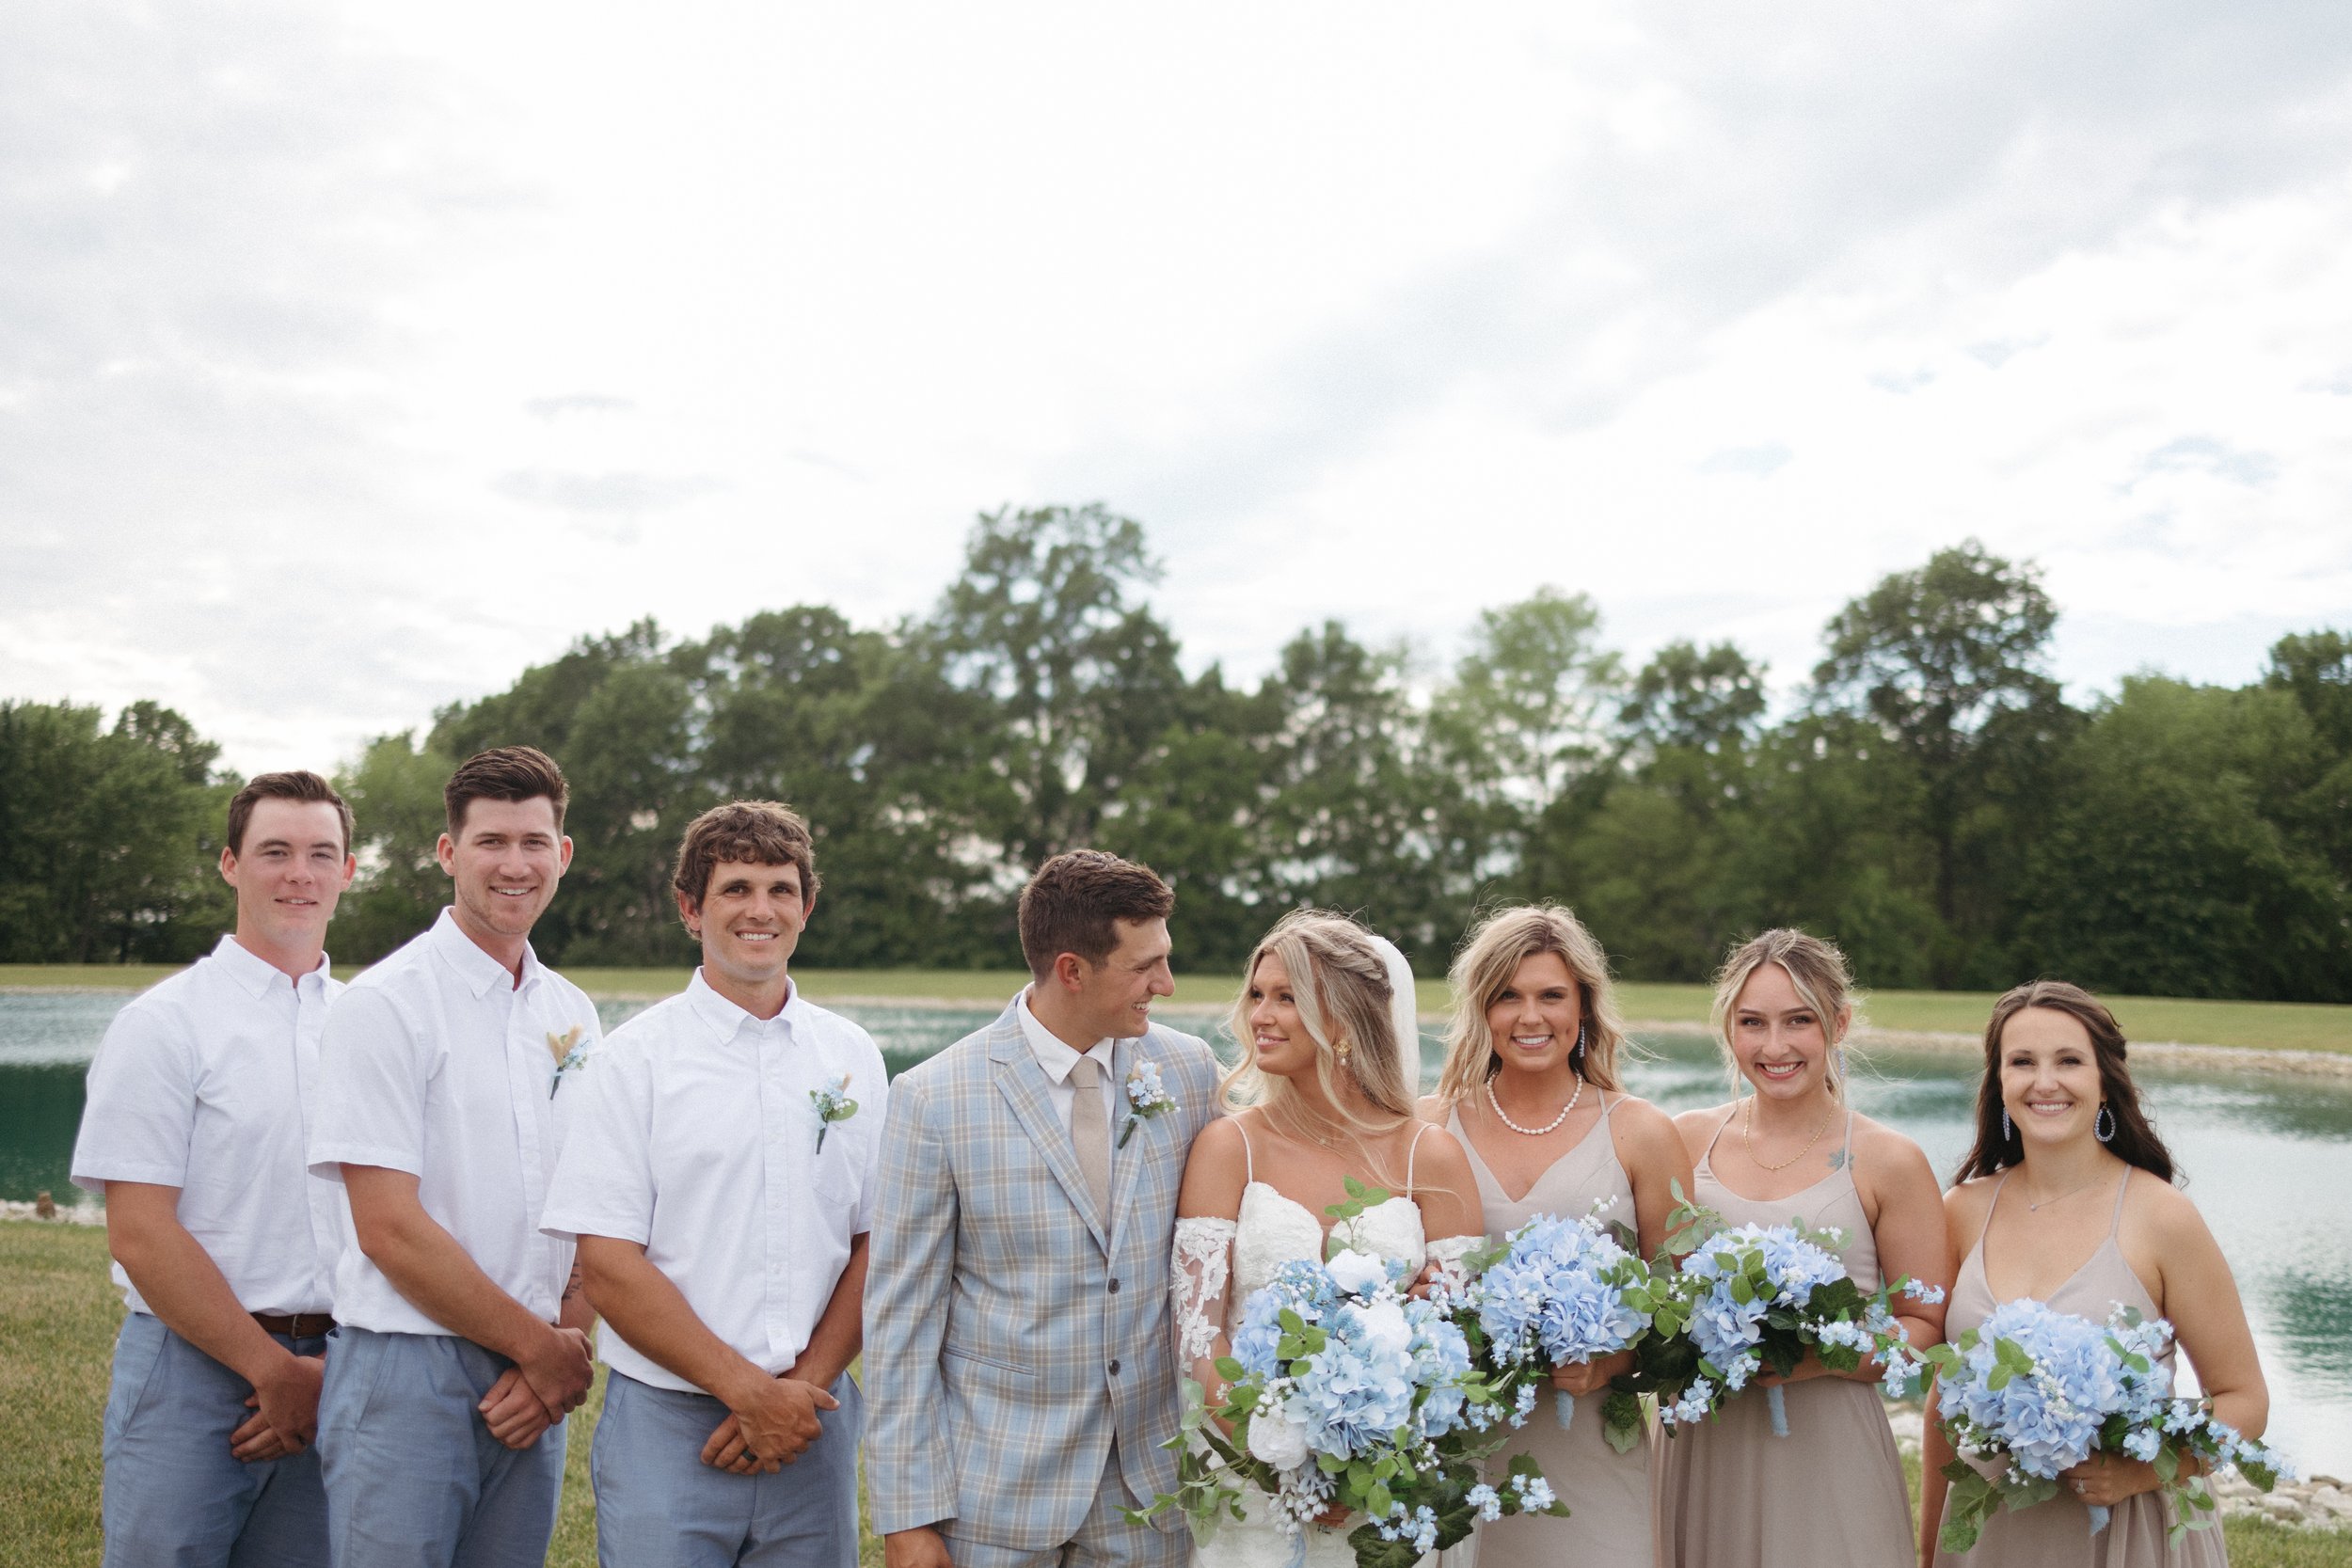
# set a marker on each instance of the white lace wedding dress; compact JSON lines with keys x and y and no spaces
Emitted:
{"x":1218,"y":1263}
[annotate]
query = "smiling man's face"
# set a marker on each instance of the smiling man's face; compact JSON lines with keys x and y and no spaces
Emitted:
{"x":506,"y":858}
{"x":288,"y":872}
{"x":750,"y":920}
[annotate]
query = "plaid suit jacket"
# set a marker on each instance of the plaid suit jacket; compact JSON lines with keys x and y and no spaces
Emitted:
{"x":1011,"y":1331}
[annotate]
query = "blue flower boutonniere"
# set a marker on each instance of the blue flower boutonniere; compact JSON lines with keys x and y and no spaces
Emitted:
{"x":832,"y":1104}
{"x":568,"y":1054}
{"x":1145,"y":1098}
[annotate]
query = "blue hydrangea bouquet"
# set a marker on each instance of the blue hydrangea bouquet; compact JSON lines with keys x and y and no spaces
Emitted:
{"x":1345,"y":1392}
{"x":2032,"y":1391}
{"x":1556,"y":1292}
{"x":1755,"y":1299}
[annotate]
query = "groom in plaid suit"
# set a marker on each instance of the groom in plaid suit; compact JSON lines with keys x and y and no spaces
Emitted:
{"x":1018,"y":1368}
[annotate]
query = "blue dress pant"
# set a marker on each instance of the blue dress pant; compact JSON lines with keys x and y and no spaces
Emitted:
{"x":414,"y":1479}
{"x":174,"y":1496}
{"x":660,"y":1506}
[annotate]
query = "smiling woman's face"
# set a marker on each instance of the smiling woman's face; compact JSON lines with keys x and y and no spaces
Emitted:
{"x":2049,"y":1077}
{"x":1780,"y":1044}
{"x":1277,"y":1035}
{"x":1535,"y":1019}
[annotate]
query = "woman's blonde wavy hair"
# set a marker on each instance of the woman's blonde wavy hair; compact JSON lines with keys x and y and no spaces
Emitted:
{"x":1482,"y":970}
{"x":1816,"y":969}
{"x":1342,"y":987}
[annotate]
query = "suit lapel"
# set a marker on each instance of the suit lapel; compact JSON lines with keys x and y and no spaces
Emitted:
{"x":1126,"y":1163}
{"x":1025,"y":1088}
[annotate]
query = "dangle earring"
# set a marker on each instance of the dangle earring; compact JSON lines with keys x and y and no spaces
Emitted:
{"x":1576,"y":1057}
{"x":1341,"y":1052}
{"x":2006,"y":1133}
{"x":2108,"y":1117}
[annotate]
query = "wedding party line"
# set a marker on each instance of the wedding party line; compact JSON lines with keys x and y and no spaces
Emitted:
{"x":1116,"y":1304}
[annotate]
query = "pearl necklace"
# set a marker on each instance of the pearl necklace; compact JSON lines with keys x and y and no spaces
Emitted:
{"x":1534,"y":1132}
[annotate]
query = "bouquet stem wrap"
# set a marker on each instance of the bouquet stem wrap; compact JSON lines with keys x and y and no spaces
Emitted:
{"x":1778,"y":1403}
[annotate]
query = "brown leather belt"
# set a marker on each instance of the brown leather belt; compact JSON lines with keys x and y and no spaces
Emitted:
{"x":300,"y":1325}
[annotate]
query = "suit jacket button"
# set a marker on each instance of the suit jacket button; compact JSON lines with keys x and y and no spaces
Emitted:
{"x":1114,"y":1369}
{"x":1114,"y":1287}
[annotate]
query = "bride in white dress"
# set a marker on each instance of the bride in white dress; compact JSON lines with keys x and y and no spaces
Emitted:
{"x":1322,"y":1092}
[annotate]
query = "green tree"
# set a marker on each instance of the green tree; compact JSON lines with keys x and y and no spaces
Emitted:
{"x":1524,"y":718}
{"x":1933,"y":658}
{"x":395,"y":792}
{"x":1044,"y":621}
{"x":109,"y":837}
{"x":2172,"y":868}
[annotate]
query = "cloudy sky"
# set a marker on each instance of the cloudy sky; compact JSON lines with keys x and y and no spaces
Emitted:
{"x":352,"y":359}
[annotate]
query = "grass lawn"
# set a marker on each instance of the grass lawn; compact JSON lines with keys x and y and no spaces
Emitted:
{"x":2260,"y":1025}
{"x":59,"y":1314}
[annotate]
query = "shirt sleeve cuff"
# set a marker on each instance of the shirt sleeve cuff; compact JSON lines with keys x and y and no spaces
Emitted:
{"x":328,"y":1159}
{"x":93,"y":1177}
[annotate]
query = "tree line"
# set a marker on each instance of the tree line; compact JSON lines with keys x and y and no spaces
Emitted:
{"x":1931,"y":800}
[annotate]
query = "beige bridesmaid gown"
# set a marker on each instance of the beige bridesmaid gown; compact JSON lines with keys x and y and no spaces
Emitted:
{"x":1607,"y":1491}
{"x":1831,"y":1494}
{"x":2057,"y":1534}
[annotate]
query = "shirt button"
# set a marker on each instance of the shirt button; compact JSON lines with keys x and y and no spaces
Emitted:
{"x":1114,"y":1369}
{"x":1114,"y":1287}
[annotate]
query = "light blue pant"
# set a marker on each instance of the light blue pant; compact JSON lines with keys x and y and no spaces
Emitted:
{"x":660,"y":1506}
{"x":174,"y":1497}
{"x":1104,"y":1538}
{"x":414,"y":1479}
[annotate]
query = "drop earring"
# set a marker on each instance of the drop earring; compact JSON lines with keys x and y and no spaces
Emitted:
{"x":1579,"y":1052}
{"x":2006,"y":1133}
{"x":2108,"y":1117}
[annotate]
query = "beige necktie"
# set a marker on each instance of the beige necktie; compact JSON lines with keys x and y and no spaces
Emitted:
{"x":1091,"y":1129}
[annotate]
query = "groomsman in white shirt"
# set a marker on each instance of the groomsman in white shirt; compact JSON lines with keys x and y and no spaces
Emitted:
{"x":448,"y":1072}
{"x":198,"y":1099}
{"x":719,"y":1180}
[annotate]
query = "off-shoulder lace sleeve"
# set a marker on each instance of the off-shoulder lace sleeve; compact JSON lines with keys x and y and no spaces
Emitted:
{"x":1447,"y":1253}
{"x":1198,"y":1277}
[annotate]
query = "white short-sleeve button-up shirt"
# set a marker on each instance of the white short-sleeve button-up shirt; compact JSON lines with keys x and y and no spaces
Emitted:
{"x":697,"y":1138}
{"x":437,"y":1063}
{"x":205,"y":1082}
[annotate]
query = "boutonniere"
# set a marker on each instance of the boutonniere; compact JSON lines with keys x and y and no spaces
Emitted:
{"x":568,"y":1054}
{"x":832,"y":1104}
{"x":1145,"y":1098}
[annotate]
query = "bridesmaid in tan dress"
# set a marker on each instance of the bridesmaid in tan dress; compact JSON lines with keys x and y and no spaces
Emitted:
{"x":1831,"y":1494}
{"x":1530,"y":1088}
{"x":2058,"y":1128}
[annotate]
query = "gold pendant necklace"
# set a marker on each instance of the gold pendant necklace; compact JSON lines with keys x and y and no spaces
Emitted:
{"x":1747,"y":1136}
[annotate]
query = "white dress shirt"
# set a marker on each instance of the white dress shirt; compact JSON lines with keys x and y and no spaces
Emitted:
{"x":435,"y":1063}
{"x":696,"y":1137}
{"x":1057,"y":1057}
{"x":205,"y":1082}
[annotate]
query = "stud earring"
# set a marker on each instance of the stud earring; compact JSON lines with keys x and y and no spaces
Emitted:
{"x":2108,"y":1117}
{"x":2006,"y":1133}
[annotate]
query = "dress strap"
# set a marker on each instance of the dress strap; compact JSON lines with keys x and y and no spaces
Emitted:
{"x":1719,"y":1131}
{"x":1248,"y":1158}
{"x":1845,"y":1163}
{"x":1604,"y":1103}
{"x":1412,"y":1149}
{"x":2115,"y":1222}
{"x":1986,"y":1230}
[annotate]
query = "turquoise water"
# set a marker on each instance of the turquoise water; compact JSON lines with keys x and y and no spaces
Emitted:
{"x":2269,"y":1159}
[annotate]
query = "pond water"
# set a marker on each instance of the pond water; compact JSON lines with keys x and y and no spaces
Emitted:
{"x":2263,"y":1152}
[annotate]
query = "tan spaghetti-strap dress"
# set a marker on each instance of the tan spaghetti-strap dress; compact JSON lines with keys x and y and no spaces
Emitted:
{"x":1831,"y":1494}
{"x":1607,"y":1491}
{"x":2057,"y":1534}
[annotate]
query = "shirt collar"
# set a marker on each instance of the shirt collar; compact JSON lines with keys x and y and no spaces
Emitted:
{"x":1052,"y":1053}
{"x":257,"y":974}
{"x":476,"y":967}
{"x":726,"y":1020}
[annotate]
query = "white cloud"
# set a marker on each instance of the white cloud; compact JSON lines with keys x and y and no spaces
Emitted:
{"x":350,"y":359}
